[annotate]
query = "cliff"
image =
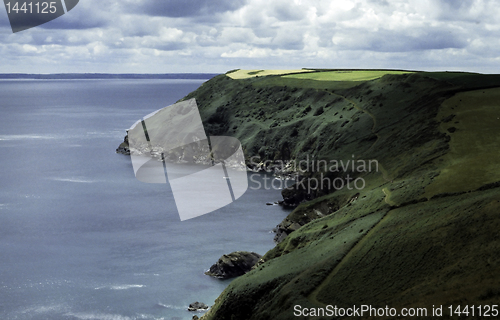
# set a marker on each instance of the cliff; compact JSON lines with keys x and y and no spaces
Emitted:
{"x":418,"y":224}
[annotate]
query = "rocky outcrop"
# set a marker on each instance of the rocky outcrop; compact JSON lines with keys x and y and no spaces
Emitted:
{"x":283,"y":229}
{"x":233,"y":265}
{"x":123,"y":148}
{"x":197,"y":306}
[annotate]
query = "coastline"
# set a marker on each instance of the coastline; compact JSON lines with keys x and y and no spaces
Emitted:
{"x":336,"y":240}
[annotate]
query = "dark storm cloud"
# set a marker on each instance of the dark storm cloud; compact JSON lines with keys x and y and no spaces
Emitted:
{"x":4,"y":19}
{"x":471,"y":11}
{"x":287,"y":12}
{"x":185,"y":8}
{"x":385,"y":41}
{"x":400,"y":41}
{"x":455,"y":5}
{"x":76,"y":22}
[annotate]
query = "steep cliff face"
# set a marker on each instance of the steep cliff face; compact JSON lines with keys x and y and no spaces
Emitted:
{"x":404,"y":209}
{"x":385,"y":123}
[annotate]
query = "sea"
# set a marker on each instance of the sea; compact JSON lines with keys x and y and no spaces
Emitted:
{"x":80,"y":236}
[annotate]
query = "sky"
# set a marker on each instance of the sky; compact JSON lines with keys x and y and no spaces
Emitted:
{"x":214,"y":36}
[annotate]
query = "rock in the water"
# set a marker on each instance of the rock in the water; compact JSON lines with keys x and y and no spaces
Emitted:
{"x":269,"y":203}
{"x":195,"y":318}
{"x":195,"y":306}
{"x":233,"y":265}
{"x":123,"y":148}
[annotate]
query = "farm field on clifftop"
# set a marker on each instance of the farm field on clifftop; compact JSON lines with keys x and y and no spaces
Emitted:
{"x":245,"y":74}
{"x":345,"y":75}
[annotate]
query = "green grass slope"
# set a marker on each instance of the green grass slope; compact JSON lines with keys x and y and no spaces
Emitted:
{"x":423,"y":230}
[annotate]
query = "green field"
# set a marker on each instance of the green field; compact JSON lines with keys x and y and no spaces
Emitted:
{"x":245,"y":74}
{"x":345,"y":75}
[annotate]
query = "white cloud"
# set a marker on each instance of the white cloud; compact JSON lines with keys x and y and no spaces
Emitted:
{"x":29,"y":48}
{"x":246,"y":53}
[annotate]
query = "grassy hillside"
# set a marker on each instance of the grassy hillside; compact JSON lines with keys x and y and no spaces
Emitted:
{"x":424,"y":229}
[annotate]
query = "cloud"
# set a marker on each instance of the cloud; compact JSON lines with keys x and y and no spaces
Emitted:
{"x":397,"y":41}
{"x":288,"y":10}
{"x":183,"y":8}
{"x":246,"y":53}
{"x":472,"y":11}
{"x":85,"y":16}
{"x":219,"y":35}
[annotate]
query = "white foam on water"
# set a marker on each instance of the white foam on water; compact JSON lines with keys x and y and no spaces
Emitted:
{"x":18,"y":137}
{"x":148,"y":317}
{"x":97,"y":316}
{"x":78,"y":180}
{"x":28,"y":196}
{"x":168,"y":306}
{"x":58,"y":308}
{"x":127,"y":286}
{"x":111,"y":133}
{"x":121,"y":287}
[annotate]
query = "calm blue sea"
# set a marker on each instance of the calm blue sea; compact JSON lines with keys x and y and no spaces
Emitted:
{"x":80,"y":237}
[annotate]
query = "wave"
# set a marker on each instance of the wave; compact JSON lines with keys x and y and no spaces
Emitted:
{"x":168,"y":306}
{"x":73,"y":180}
{"x":112,"y":133}
{"x":45,"y":309}
{"x":17,"y":137}
{"x":65,"y":311}
{"x":28,"y":196}
{"x":108,"y":316}
{"x":97,"y":316}
{"x":91,"y":134}
{"x":121,"y":287}
{"x":149,"y":317}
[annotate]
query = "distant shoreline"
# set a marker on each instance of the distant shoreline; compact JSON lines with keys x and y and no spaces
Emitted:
{"x":76,"y":76}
